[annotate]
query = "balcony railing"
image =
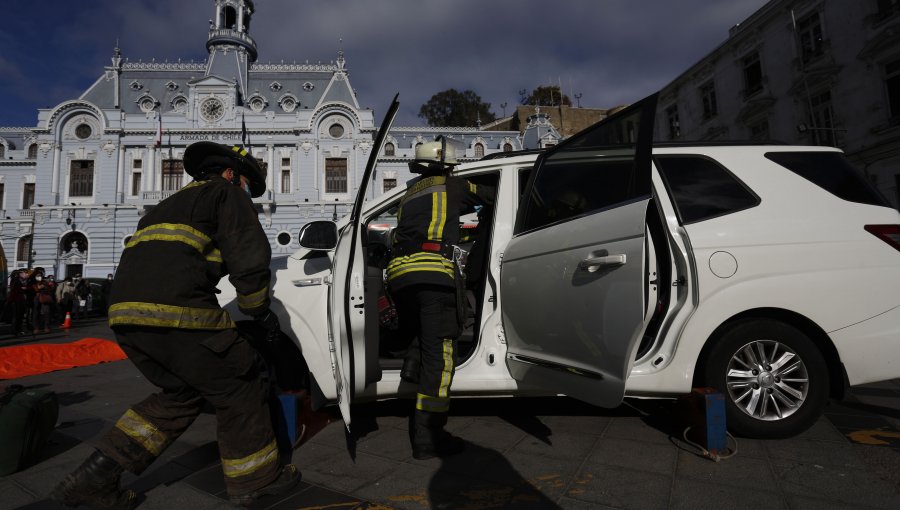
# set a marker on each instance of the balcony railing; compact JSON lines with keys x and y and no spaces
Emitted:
{"x":228,"y":36}
{"x":157,"y":195}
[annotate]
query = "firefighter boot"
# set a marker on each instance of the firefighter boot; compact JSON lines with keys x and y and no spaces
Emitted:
{"x":429,"y":439}
{"x":287,"y":479}
{"x":95,"y":484}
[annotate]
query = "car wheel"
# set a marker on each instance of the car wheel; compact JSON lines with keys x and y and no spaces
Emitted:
{"x":773,"y":377}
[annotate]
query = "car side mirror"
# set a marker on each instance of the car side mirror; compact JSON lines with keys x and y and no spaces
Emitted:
{"x":318,"y":235}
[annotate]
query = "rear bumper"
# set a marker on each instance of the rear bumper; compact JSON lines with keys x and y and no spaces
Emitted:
{"x":870,"y":350}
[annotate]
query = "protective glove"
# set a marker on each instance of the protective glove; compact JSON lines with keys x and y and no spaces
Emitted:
{"x":269,"y":321}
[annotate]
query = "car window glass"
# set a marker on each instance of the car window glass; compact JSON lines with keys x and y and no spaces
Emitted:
{"x":378,"y":235}
{"x":601,"y":167}
{"x":702,"y":188}
{"x":831,"y":172}
{"x":573,"y":184}
{"x":523,"y":181}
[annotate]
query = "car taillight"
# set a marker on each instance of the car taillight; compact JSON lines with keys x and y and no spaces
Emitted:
{"x":887,"y":233}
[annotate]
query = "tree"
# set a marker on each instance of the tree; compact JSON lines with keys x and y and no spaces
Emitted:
{"x":547,"y":95}
{"x":454,"y":108}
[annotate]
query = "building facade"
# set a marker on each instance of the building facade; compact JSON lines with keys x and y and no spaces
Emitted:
{"x":564,"y":120}
{"x":823,"y":72}
{"x":73,"y":187}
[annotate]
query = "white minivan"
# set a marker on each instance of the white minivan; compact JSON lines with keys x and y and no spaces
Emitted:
{"x":611,"y":267}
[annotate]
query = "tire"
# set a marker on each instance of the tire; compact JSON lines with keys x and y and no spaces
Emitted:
{"x":789,"y":389}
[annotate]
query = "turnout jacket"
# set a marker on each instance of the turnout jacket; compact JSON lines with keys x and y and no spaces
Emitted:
{"x":169,"y":270}
{"x":428,"y":228}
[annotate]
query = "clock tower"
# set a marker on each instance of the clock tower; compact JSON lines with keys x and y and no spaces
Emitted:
{"x":231,"y":49}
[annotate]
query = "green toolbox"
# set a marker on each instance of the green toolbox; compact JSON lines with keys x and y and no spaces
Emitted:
{"x":27,"y":418}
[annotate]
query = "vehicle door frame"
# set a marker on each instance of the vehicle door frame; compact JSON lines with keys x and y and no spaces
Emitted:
{"x":348,"y":338}
{"x":549,"y":366}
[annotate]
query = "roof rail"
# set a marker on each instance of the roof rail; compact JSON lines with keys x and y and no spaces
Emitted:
{"x":510,"y":154}
{"x":715,"y":143}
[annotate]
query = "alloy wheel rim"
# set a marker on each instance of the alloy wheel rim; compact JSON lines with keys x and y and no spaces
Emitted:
{"x":767,"y":380}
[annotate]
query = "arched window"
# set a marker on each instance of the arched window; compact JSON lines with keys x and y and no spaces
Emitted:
{"x":230,"y":17}
{"x":389,"y":149}
{"x":23,"y":250}
{"x":507,"y":147}
{"x":73,"y":241}
{"x":479,"y":150}
{"x":2,"y":150}
{"x":32,"y":151}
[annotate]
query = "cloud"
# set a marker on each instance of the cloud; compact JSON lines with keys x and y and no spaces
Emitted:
{"x":609,"y":51}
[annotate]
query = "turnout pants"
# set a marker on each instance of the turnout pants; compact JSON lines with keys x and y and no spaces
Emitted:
{"x":429,"y":312}
{"x":192,"y":367}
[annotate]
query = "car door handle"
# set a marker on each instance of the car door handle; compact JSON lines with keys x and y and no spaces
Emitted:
{"x":308,"y":282}
{"x":592,"y":264}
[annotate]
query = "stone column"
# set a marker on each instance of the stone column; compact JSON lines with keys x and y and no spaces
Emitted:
{"x":54,"y":185}
{"x":120,"y":175}
{"x":240,"y":20}
{"x":151,"y":169}
{"x":218,"y":15}
{"x":270,"y":175}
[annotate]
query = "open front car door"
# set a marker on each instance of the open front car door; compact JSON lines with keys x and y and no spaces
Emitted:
{"x":347,"y":307}
{"x":573,"y":280}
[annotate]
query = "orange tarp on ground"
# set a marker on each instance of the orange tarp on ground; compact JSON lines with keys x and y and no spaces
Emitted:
{"x":22,"y":360}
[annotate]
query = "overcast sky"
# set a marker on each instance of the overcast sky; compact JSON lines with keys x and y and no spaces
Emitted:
{"x":610,"y":51}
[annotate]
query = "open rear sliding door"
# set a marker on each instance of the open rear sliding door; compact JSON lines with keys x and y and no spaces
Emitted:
{"x":573,"y":277}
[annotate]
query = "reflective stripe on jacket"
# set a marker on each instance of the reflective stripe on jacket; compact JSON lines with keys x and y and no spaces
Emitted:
{"x":168,"y":273}
{"x":429,"y":217}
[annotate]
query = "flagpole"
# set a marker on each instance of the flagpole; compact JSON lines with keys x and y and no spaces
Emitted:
{"x":159,"y":129}
{"x":156,"y":177}
{"x":245,"y":137}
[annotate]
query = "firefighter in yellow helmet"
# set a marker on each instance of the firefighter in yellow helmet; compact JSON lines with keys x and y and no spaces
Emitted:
{"x":425,"y":282}
{"x":167,"y":319}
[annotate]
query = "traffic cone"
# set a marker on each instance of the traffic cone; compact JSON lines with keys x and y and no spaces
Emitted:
{"x":68,"y":322}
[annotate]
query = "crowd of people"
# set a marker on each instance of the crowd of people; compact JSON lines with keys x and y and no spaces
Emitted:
{"x":35,"y":302}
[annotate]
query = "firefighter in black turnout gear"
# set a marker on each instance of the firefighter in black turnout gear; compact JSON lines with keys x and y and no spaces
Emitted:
{"x":427,"y":286}
{"x":166,"y":317}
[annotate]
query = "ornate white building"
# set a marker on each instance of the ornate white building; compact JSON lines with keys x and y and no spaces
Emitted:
{"x":73,"y":187}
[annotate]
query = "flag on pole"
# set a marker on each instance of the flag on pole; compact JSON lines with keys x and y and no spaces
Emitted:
{"x":243,"y":131}
{"x":159,"y":130}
